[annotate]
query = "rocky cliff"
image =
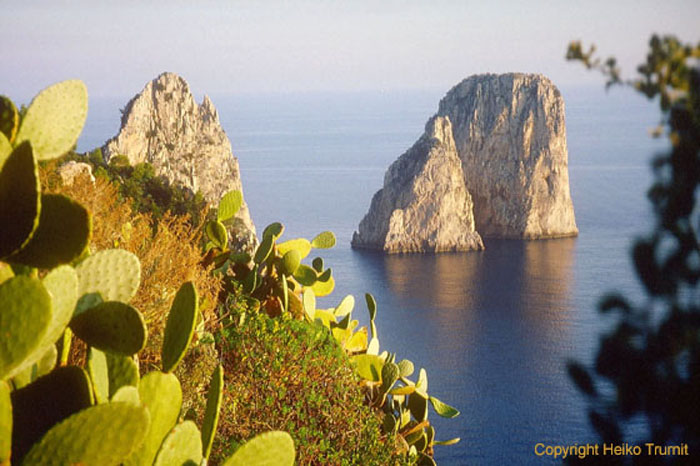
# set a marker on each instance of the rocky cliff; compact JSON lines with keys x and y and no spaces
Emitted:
{"x":424,"y":204}
{"x":509,"y":135}
{"x":163,"y":125}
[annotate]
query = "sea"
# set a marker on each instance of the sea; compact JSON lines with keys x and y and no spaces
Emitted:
{"x":493,"y":329}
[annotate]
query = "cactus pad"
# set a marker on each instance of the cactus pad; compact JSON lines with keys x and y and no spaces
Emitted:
{"x":229,"y":205}
{"x":42,"y":404}
{"x":300,"y":244}
{"x":179,"y":328}
{"x":264,"y":249}
{"x":309,"y":300}
{"x":216,"y":232}
{"x":305,"y":275}
{"x":111,"y":326}
{"x":182,"y":446}
{"x":368,"y":366}
{"x":345,"y":307}
{"x":418,"y":406}
{"x":317,"y":264}
{"x":5,"y":149}
{"x":324,"y":288}
{"x":274,"y":229}
{"x":324,"y":240}
{"x":99,"y":374}
{"x":102,"y":434}
{"x":113,"y":273}
{"x":61,"y":237}
{"x":211,"y":413}
{"x":55,"y":119}
{"x":20,"y":201}
{"x":9,"y":120}
{"x":371,"y":306}
{"x":5,"y":423}
{"x":128,"y":394}
{"x":405,"y":368}
{"x":122,"y":371}
{"x":25,"y":316}
{"x":267,"y":449}
{"x":162,"y":394}
{"x":443,"y":409}
{"x":390,"y":374}
{"x":291,"y":261}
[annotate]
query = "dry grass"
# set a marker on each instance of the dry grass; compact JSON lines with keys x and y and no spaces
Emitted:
{"x":168,"y":250}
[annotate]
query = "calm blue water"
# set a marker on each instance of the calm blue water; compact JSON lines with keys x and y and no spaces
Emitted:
{"x":494,"y":329}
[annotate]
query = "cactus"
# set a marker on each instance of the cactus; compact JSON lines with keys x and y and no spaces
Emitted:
{"x":368,"y":366}
{"x":324,"y":288}
{"x":162,"y":394}
{"x":99,"y":374}
{"x":179,"y":328}
{"x":305,"y":275}
{"x":182,"y":446}
{"x":345,"y":307}
{"x":211,"y":413}
{"x":264,"y":250}
{"x":62,"y":235}
{"x":418,"y":406}
{"x":302,"y":245}
{"x":25,"y":316}
{"x":274,"y":229}
{"x":113,"y":273}
{"x":317,"y":264}
{"x":5,"y":424}
{"x":229,"y":205}
{"x":45,"y":402}
{"x":270,"y":448}
{"x":324,"y":240}
{"x":55,"y":119}
{"x":9,"y":120}
{"x":122,"y":372}
{"x":291,"y":261}
{"x":127,"y":394}
{"x":405,"y":368}
{"x":5,"y":150}
{"x":20,"y":201}
{"x":309,"y":302}
{"x":443,"y":409}
{"x":103,"y":434}
{"x":216,"y":232}
{"x":390,"y":374}
{"x":40,"y":367}
{"x":111,"y":326}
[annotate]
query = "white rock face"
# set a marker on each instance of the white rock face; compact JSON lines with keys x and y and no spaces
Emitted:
{"x":163,"y":125}
{"x":69,"y":171}
{"x":493,"y":161}
{"x":510,"y":133}
{"x":424,"y":205}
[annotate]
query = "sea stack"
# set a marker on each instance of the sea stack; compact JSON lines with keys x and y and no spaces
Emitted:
{"x":163,"y":125}
{"x":509,"y":134}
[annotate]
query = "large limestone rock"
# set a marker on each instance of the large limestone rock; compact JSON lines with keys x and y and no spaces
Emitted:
{"x":499,"y":140}
{"x":510,"y":133}
{"x":424,"y":204}
{"x":163,"y":125}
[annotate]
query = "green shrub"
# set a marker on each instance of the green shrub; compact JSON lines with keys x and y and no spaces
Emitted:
{"x":291,"y":375}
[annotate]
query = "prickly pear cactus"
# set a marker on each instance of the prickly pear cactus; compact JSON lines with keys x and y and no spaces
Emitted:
{"x":20,"y":200}
{"x":122,"y":371}
{"x":179,"y":328}
{"x":324,"y":240}
{"x":211,"y":413}
{"x":25,"y":316}
{"x":182,"y":446}
{"x":216,"y":232}
{"x":62,"y":235}
{"x":103,"y":434}
{"x":114,"y":274}
{"x":55,"y":119}
{"x":99,"y":374}
{"x":229,"y":205}
{"x":267,"y":449}
{"x":5,"y":424}
{"x":112,"y":326}
{"x":9,"y":118}
{"x":162,"y":394}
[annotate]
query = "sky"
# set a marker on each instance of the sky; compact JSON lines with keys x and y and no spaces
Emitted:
{"x":275,"y":46}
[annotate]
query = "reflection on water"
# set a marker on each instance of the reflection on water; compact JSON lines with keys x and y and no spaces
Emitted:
{"x":496,"y":326}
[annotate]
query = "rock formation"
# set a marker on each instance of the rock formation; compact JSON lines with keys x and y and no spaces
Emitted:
{"x":71,"y":170}
{"x":163,"y":125}
{"x":510,"y":137}
{"x":424,"y":204}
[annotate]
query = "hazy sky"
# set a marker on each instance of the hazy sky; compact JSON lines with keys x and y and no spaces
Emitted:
{"x":286,"y":46}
